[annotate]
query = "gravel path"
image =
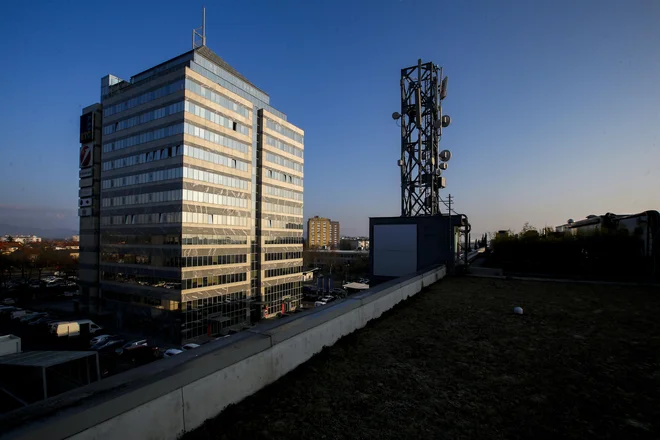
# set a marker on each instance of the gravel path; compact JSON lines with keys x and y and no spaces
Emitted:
{"x":454,"y":362}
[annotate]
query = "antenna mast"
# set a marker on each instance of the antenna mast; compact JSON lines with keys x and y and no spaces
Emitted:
{"x":199,"y":34}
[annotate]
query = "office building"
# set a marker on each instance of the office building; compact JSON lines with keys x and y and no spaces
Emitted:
{"x":191,"y":200}
{"x":322,"y":232}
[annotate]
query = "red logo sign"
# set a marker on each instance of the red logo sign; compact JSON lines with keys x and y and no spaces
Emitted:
{"x":85,"y":156}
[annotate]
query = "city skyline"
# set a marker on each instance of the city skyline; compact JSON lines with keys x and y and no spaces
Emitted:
{"x":547,"y":101}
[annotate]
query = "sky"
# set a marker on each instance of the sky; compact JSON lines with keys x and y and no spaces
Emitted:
{"x":554,"y":105}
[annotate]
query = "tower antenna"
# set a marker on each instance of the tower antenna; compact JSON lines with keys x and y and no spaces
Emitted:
{"x":199,"y":34}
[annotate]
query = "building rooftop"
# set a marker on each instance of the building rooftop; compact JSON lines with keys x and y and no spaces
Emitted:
{"x":456,"y":362}
{"x":43,"y":359}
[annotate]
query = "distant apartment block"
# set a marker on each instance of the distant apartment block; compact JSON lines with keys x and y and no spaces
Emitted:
{"x":322,"y":232}
{"x":199,"y":205}
{"x":75,"y":238}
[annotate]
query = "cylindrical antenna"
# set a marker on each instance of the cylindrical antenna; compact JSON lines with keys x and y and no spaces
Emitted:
{"x":203,"y":26}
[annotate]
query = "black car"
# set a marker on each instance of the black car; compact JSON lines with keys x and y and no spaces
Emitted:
{"x":110,"y":344}
{"x":134,"y":343}
{"x":140,"y":354}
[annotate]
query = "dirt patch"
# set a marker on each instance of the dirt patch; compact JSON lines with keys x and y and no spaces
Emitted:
{"x":455,"y":362}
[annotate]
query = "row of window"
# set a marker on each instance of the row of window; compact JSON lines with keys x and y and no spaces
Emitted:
{"x":284,"y":209}
{"x":280,"y":224}
{"x":286,"y":131}
{"x":219,"y":99}
{"x":141,"y":219}
{"x":213,"y":260}
{"x":224,"y":298}
{"x":214,"y":178}
{"x":143,"y":118}
{"x":274,"y":256}
{"x":275,"y":158}
{"x":171,"y":130}
{"x":216,"y":118}
{"x":215,"y":280}
{"x":138,"y":179}
{"x":219,"y":71}
{"x":294,"y":180}
{"x":281,"y":271}
{"x":155,"y":197}
{"x":284,"y":146}
{"x":281,"y":192}
{"x":214,"y":199}
{"x":196,"y":239}
{"x":216,"y":158}
{"x":113,"y":238}
{"x":174,"y":217}
{"x":175,"y":195}
{"x":141,"y":138}
{"x":144,"y":98}
{"x":125,"y":258}
{"x":175,"y":173}
{"x":215,"y":219}
{"x":283,"y":288}
{"x":140,"y":279}
{"x":284,"y":240}
{"x":131,"y":298}
{"x":151,"y":156}
{"x":215,"y":138}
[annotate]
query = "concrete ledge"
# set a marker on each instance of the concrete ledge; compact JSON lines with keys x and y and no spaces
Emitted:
{"x":166,"y":398}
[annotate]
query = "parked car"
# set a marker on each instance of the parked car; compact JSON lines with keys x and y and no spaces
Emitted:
{"x":190,"y":346}
{"x":96,"y":339}
{"x":34,"y":284}
{"x":140,"y":354}
{"x":32,"y":316}
{"x":171,"y":352}
{"x":42,"y":320}
{"x":111,"y":342}
{"x":8,"y":301}
{"x":19,"y":313}
{"x":135,"y":343}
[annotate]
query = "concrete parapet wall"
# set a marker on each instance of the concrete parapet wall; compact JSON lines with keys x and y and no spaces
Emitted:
{"x":164,"y":399}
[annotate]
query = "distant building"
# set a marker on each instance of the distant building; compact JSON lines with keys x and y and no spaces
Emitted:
{"x":355,"y":243}
{"x":645,"y":225}
{"x":21,"y":238}
{"x":75,"y":238}
{"x":324,"y":258}
{"x":322,"y":232}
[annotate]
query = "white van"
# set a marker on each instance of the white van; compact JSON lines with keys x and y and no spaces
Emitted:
{"x":93,"y":327}
{"x":61,"y":329}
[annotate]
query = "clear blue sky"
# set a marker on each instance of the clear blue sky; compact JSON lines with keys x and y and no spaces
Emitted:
{"x":555,"y":106}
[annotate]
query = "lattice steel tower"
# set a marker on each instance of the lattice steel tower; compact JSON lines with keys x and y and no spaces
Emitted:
{"x":422,"y":92}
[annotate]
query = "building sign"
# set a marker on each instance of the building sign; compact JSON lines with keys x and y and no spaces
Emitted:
{"x":86,"y":156}
{"x":87,"y":127}
{"x":86,"y":181}
{"x":85,"y":172}
{"x":85,"y":202}
{"x":85,"y":192}
{"x":84,"y":212}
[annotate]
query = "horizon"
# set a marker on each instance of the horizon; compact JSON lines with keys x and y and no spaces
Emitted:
{"x":547,"y":101}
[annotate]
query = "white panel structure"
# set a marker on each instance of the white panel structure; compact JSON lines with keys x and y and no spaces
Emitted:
{"x":395,"y":250}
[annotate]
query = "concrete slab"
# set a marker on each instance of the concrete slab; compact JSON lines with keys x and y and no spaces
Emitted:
{"x":157,"y":419}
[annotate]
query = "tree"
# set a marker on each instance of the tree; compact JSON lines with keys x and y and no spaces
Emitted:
{"x":529,"y":231}
{"x":9,"y":238}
